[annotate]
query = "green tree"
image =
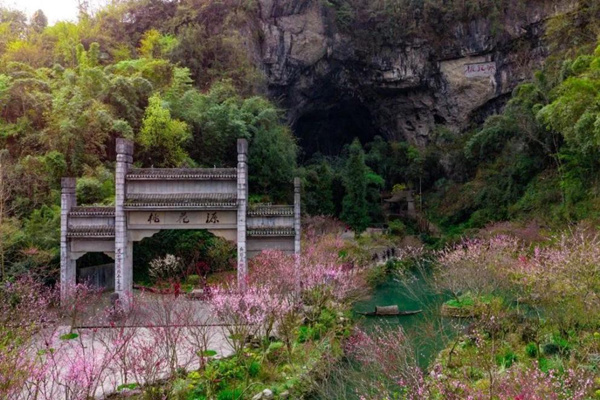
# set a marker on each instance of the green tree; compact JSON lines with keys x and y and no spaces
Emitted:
{"x":216,"y":120}
{"x":155,"y":45}
{"x":7,"y":229}
{"x":96,"y":187}
{"x":375,"y":184}
{"x":41,"y":233}
{"x":574,"y":110}
{"x":66,"y":36}
{"x":13,"y":26}
{"x":162,"y":138}
{"x":220,"y":116}
{"x":318,"y":189}
{"x":272,"y":162}
{"x":354,"y":206}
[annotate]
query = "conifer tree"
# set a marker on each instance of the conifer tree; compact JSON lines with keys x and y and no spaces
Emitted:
{"x":318,"y":189}
{"x":354,"y":207}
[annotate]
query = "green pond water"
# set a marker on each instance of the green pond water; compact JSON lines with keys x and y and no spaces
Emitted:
{"x":426,"y":330}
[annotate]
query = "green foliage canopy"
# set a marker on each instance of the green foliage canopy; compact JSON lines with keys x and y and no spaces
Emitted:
{"x":162,"y":138}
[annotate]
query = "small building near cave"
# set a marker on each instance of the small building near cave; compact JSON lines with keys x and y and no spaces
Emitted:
{"x":402,"y":204}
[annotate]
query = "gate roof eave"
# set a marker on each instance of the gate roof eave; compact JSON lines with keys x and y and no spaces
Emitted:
{"x":214,"y":207}
{"x":161,"y":174}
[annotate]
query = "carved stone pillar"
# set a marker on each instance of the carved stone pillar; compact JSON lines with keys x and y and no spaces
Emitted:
{"x":297,"y":230}
{"x":297,"y":216}
{"x":68,"y":199}
{"x":123,"y":246}
{"x":242,"y":200}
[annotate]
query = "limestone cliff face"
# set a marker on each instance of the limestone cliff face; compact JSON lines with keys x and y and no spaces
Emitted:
{"x":453,"y":78}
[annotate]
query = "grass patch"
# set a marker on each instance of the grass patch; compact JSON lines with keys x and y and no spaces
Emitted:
{"x":469,"y":300}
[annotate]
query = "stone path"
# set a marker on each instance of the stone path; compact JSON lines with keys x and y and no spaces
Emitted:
{"x":162,"y":333}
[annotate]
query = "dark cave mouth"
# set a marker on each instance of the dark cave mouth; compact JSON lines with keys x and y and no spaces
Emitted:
{"x":328,"y":129}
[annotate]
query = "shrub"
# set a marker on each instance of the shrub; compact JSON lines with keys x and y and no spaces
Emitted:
{"x":221,"y":255}
{"x":304,"y":334}
{"x":547,"y":364}
{"x":475,"y":373}
{"x":193,"y":280}
{"x":165,"y":267}
{"x":507,"y":359}
{"x":396,"y":228}
{"x":89,"y":190}
{"x":275,"y":352}
{"x":308,"y":333}
{"x":317,"y":330}
{"x":230,"y":394}
{"x":327,"y":318}
{"x":231,"y":368}
{"x":551,"y":349}
{"x":254,"y":369}
{"x":564,"y":347}
{"x":531,"y":350}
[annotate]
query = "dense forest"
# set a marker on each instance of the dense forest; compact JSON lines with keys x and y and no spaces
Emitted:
{"x":70,"y":89}
{"x":177,"y":78}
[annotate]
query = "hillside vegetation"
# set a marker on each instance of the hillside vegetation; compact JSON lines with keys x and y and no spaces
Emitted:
{"x":68,"y":90}
{"x":539,"y":157}
{"x":178,"y":78}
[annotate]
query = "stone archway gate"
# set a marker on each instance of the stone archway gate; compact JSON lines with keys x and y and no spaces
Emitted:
{"x":148,"y":200}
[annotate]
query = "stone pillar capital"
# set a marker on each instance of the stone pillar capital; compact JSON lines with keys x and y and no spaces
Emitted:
{"x":124,"y":146}
{"x":68,"y":184}
{"x":242,"y":146}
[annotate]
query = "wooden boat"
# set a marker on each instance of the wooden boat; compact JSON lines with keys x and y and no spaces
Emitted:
{"x":389,"y":311}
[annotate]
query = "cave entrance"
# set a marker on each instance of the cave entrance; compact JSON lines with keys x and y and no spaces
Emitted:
{"x":328,"y":129}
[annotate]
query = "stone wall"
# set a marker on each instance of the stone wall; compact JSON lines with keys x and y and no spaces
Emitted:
{"x":98,"y":276}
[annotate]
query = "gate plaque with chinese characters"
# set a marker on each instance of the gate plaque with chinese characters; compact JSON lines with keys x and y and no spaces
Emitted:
{"x":207,"y":219}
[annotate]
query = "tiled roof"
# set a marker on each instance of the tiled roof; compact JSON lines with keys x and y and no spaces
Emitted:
{"x":181,"y":200}
{"x":270,"y":231}
{"x":91,"y":231}
{"x":182,"y":173}
{"x":270,"y":211}
{"x":92,"y":212}
{"x":400,"y":196}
